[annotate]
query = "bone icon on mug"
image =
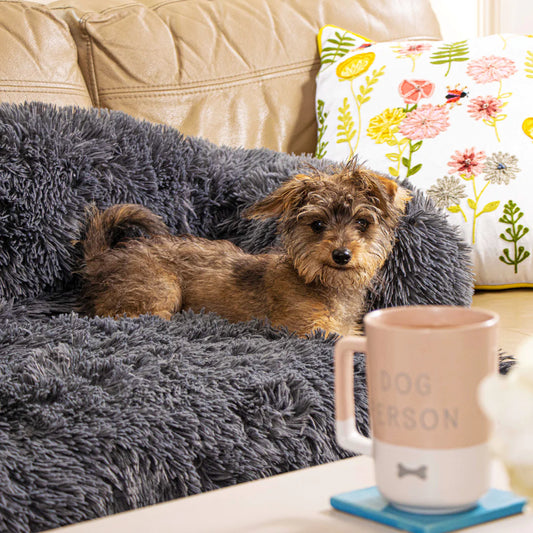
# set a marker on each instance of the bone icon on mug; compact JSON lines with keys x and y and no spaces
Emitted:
{"x":429,"y":435}
{"x":421,"y":471}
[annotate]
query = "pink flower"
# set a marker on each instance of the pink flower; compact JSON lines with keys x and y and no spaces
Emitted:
{"x":484,"y":107}
{"x":468,"y":162}
{"x":491,"y":68}
{"x":425,"y":122}
{"x":410,"y":49}
{"x":413,"y":90}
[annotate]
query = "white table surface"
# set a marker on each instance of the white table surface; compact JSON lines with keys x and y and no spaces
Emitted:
{"x":295,"y":502}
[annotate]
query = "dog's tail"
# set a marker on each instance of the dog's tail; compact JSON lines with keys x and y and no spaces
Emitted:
{"x":117,"y":224}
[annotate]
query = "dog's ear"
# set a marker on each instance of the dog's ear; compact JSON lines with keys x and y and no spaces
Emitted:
{"x":395,"y":194}
{"x":283,"y":200}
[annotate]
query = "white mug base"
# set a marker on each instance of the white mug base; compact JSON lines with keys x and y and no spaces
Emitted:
{"x":431,"y":481}
{"x":433,"y":510}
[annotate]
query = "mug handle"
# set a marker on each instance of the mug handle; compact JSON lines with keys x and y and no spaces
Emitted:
{"x":347,"y":436}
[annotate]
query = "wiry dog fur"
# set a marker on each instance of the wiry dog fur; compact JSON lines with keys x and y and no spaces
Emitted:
{"x":336,"y":231}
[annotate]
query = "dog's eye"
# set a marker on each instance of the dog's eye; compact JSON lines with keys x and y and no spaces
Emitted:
{"x":362,"y":224}
{"x":318,"y":226}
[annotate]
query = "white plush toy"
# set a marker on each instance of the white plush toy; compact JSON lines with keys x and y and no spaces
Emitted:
{"x":508,"y":402}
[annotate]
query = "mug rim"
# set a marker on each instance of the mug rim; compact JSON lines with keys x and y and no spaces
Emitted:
{"x":376,"y":318}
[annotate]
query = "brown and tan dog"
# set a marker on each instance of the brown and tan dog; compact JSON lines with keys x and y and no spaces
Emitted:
{"x":337,"y":231}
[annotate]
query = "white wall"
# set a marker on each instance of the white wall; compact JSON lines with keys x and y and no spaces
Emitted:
{"x":460,"y":19}
{"x":457,"y":18}
{"x":516,"y":16}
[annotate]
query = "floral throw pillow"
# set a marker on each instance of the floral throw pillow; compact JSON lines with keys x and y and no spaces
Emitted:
{"x":456,"y":118}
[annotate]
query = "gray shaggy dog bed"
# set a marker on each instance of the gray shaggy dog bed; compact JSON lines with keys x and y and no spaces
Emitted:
{"x":99,"y":416}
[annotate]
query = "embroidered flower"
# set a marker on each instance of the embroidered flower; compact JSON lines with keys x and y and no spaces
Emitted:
{"x":354,"y":66}
{"x":484,"y":107}
{"x":412,"y":49}
{"x":527,"y":127}
{"x":412,"y":91}
{"x":382,"y":127}
{"x":468,"y":162}
{"x":447,"y":191}
{"x":425,"y":122}
{"x":491,"y":68}
{"x":501,"y":168}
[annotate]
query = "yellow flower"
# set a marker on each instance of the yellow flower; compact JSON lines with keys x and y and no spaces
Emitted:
{"x":383,"y":126}
{"x":354,"y":66}
{"x":527,"y":127}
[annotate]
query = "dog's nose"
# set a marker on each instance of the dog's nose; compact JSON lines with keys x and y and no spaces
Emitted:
{"x":341,"y":256}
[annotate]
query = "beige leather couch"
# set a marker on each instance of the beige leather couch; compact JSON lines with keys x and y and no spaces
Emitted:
{"x":238,"y":72}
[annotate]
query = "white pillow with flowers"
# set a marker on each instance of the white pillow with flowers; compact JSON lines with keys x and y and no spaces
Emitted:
{"x":456,"y":118}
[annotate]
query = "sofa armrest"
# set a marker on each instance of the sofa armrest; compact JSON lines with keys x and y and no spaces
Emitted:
{"x":38,"y":57}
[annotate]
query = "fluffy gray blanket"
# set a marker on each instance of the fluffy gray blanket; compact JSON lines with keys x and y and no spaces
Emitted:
{"x":99,"y":416}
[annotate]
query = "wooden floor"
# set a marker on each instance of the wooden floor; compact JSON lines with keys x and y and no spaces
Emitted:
{"x":515,"y":308}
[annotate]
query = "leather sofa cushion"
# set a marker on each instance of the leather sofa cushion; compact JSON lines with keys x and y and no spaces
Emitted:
{"x":38,"y":58}
{"x":237,"y":72}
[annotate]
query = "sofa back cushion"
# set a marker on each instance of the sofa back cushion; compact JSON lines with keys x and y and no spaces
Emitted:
{"x":237,"y":72}
{"x":38,"y":58}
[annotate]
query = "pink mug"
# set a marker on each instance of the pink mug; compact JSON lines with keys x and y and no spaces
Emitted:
{"x":429,"y":435}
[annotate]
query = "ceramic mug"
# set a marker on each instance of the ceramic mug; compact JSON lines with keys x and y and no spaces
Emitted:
{"x":429,"y":435}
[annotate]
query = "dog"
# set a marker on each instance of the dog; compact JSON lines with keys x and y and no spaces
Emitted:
{"x":336,"y":231}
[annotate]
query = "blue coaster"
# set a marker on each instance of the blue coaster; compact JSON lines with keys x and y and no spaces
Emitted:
{"x":368,"y":503}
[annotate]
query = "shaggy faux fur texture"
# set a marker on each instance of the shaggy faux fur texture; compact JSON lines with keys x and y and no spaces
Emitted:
{"x":100,"y":416}
{"x":55,"y":162}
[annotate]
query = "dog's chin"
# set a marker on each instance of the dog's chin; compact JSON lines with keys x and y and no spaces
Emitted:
{"x":337,"y":276}
{"x":340,"y":267}
{"x":344,"y":276}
